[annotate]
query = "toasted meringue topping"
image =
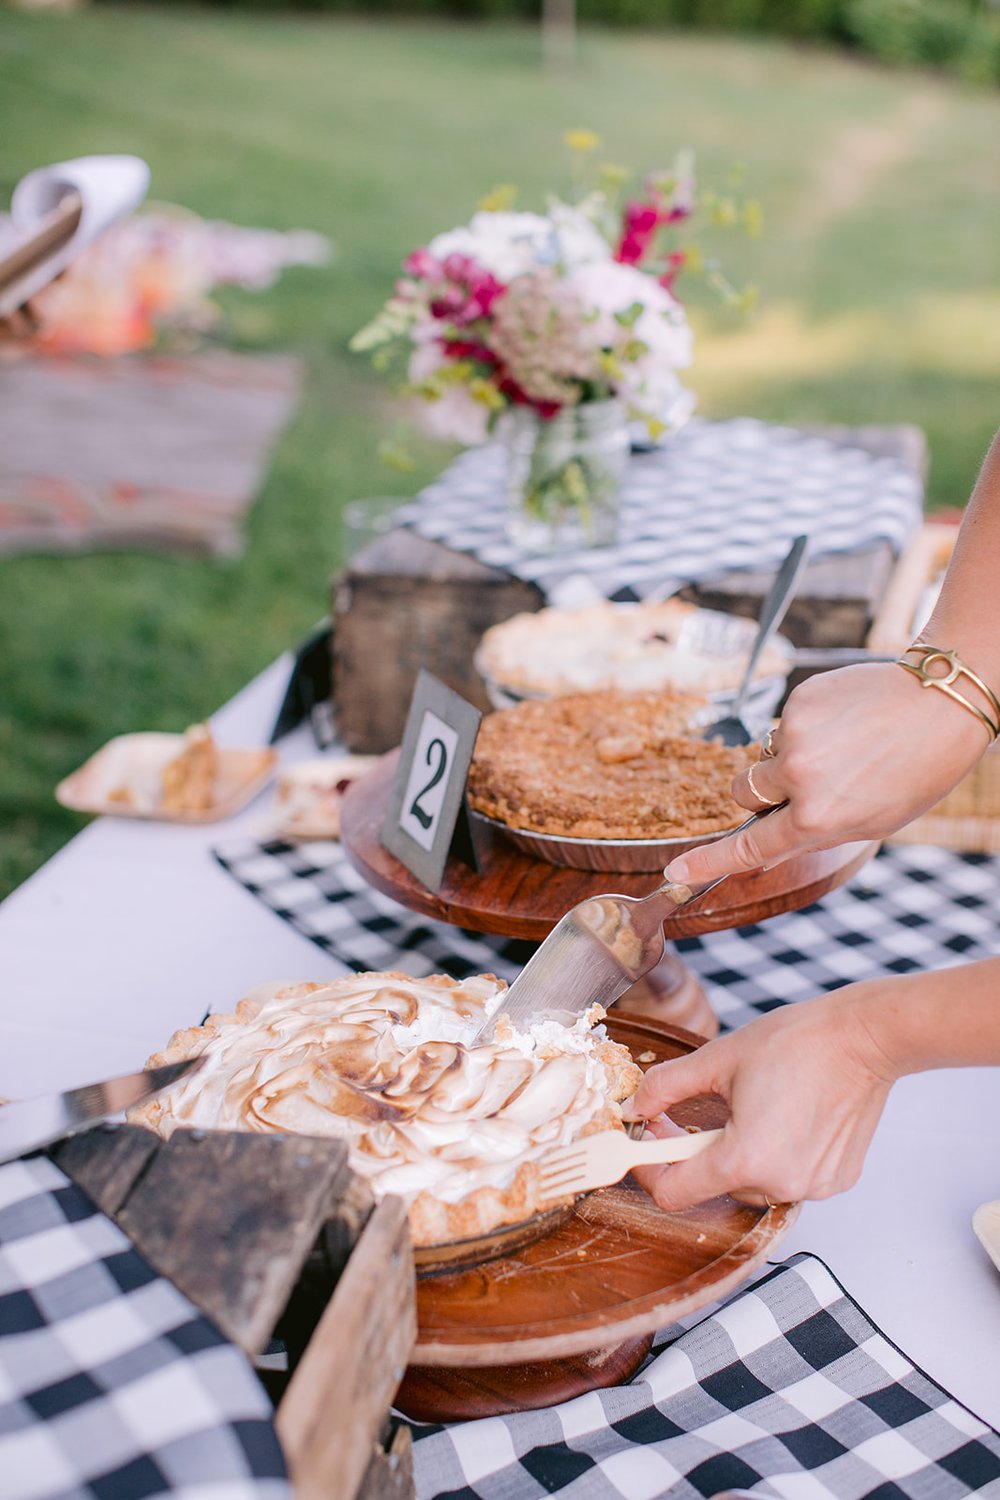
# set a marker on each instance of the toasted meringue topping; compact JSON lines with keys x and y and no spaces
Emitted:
{"x":386,"y":1062}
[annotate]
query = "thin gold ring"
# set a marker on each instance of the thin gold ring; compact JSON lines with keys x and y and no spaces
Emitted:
{"x":768,"y":1201}
{"x":767,"y":801}
{"x":767,"y":750}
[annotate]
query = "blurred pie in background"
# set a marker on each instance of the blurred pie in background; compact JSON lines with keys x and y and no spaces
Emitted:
{"x":633,"y":646}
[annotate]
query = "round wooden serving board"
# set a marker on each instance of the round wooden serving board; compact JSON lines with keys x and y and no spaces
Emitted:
{"x":618,"y":1268}
{"x":576,"y":1311}
{"x":519,"y":896}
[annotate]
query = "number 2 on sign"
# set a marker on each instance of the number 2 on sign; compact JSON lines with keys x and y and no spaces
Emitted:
{"x":435,"y":748}
{"x":428,"y":779}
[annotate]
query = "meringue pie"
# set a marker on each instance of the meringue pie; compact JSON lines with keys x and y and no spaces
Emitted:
{"x":638,"y":647}
{"x":606,"y":765}
{"x":386,"y":1063}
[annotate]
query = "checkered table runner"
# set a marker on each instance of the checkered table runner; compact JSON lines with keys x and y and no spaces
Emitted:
{"x":788,"y":1389}
{"x":112,"y":1385}
{"x":718,"y":496}
{"x":913,"y":907}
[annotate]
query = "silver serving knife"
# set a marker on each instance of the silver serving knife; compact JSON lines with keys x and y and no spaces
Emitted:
{"x":595,"y":952}
{"x":28,"y":1124}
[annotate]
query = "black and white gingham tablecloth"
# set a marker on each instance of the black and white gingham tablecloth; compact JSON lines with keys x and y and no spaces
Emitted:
{"x":788,"y":1389}
{"x":715,"y":497}
{"x":112,"y":1385}
{"x":912,"y":907}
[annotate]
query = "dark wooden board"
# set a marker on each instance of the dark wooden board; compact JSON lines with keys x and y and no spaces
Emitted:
{"x":270,"y":1231}
{"x":407,"y":603}
{"x":835,"y":603}
{"x":524,"y":897}
{"x":282,"y":1191}
{"x":229,"y":1217}
{"x":617,"y":1269}
{"x":107,"y":1162}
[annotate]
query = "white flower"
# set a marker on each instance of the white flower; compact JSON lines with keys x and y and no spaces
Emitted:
{"x":580,"y":241}
{"x":504,"y":244}
{"x":662,"y":325}
{"x":509,"y":244}
{"x":658,"y":397}
{"x":455,"y":415}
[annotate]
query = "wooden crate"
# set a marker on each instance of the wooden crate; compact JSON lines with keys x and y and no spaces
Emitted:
{"x":407,"y":603}
{"x":292,"y":1245}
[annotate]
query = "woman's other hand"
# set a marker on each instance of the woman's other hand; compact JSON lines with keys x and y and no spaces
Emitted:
{"x":805,"y":1085}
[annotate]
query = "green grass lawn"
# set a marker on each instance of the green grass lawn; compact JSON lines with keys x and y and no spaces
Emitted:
{"x":878,"y":272}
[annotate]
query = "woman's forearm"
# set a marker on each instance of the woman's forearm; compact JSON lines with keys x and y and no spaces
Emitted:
{"x":965,"y":616}
{"x":946,"y":1018}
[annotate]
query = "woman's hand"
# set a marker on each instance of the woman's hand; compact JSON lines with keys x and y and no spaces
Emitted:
{"x":805,"y":1085}
{"x":858,"y":753}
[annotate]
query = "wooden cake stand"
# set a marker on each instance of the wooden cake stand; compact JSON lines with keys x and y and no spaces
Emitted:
{"x":523,"y":897}
{"x":519,"y":896}
{"x":577,"y":1310}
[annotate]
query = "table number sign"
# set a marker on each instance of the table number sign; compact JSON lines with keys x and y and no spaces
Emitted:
{"x":426,"y":817}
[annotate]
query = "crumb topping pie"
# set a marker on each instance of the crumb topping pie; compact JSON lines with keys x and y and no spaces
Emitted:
{"x":385,"y":1062}
{"x":608,"y":765}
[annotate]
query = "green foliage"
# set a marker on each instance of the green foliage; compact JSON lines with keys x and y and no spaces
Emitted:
{"x":953,"y":34}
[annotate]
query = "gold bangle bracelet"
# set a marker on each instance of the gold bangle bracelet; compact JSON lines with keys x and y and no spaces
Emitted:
{"x":945,"y":683}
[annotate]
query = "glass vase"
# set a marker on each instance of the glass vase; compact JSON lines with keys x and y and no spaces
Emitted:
{"x":564,"y":476}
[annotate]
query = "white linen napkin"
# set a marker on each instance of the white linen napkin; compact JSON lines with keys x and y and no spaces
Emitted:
{"x":110,"y":186}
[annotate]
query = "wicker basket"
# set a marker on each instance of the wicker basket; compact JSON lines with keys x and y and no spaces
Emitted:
{"x":968,"y":818}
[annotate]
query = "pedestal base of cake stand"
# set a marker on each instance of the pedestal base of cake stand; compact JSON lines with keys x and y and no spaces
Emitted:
{"x":672,"y":994}
{"x":435,"y":1394}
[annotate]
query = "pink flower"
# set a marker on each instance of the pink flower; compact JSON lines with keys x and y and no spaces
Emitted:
{"x":468,"y":291}
{"x":640,"y":221}
{"x":675,"y":264}
{"x":509,"y":387}
{"x":422,"y":264}
{"x":469,"y":349}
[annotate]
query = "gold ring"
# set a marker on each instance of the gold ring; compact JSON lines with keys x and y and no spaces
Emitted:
{"x":768,"y":1201}
{"x":767,"y":801}
{"x":767,"y":750}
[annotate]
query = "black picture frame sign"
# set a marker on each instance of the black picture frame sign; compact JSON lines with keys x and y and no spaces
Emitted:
{"x":426,"y":816}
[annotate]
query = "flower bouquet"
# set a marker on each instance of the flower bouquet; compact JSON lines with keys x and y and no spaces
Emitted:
{"x":562,"y":327}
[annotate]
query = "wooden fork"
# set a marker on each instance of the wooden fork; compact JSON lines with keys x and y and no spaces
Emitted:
{"x":600,"y":1159}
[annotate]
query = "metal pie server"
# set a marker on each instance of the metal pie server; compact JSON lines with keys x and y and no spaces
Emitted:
{"x":28,"y":1124}
{"x":595,"y":952}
